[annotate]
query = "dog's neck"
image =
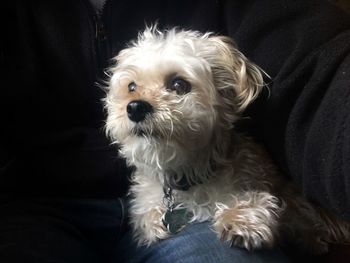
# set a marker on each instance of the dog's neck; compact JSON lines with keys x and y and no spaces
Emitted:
{"x":202,"y":165}
{"x":179,"y":166}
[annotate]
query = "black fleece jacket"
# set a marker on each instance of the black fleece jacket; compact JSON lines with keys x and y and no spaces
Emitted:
{"x":53,"y":53}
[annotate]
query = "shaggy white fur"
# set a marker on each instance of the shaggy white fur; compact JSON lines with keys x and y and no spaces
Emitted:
{"x":172,"y":102}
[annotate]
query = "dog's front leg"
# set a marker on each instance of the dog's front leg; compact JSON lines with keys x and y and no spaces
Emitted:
{"x":146,"y":212}
{"x":148,"y":227}
{"x":249,"y":220}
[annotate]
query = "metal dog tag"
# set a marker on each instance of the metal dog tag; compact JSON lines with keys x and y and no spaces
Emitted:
{"x":175,"y":219}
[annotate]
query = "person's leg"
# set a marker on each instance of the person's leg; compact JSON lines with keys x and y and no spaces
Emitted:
{"x":73,"y":231}
{"x":197,"y":243}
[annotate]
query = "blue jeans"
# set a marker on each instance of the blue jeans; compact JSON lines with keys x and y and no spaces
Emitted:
{"x":197,"y":243}
{"x":95,"y":231}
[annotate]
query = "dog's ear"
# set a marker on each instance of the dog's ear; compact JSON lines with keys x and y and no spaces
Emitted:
{"x":235,"y":77}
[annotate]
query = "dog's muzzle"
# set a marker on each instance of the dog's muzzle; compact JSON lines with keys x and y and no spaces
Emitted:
{"x":138,"y":109}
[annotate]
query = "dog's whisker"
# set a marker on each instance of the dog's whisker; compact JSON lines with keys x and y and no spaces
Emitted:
{"x":171,"y":127}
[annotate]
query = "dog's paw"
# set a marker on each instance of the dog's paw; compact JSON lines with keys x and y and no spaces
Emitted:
{"x":243,"y":227}
{"x":149,"y":227}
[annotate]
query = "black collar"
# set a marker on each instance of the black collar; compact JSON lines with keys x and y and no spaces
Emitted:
{"x":174,"y":181}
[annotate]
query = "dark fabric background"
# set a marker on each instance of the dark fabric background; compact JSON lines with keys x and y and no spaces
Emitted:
{"x":52,"y":141}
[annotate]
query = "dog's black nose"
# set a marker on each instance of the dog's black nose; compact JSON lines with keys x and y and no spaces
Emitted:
{"x":138,"y":109}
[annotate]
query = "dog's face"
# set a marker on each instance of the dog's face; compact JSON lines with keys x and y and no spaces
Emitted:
{"x":177,"y":89}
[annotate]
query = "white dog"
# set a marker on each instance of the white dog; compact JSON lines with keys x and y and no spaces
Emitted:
{"x":172,"y":102}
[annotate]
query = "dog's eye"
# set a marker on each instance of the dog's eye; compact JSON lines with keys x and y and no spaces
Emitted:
{"x":132,"y":86}
{"x":180,"y":85}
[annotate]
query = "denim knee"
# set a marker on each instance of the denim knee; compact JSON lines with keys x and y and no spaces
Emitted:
{"x":197,"y":243}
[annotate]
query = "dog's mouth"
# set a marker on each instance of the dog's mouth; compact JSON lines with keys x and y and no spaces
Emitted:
{"x":138,"y":131}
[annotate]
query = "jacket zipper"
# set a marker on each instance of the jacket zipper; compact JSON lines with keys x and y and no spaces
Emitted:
{"x":100,"y":44}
